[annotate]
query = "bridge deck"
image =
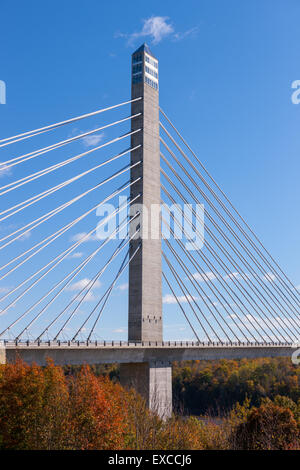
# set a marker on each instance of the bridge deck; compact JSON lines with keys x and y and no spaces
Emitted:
{"x":124,"y":352}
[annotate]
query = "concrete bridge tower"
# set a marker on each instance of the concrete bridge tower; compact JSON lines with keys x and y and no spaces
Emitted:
{"x":145,"y":301}
{"x":145,"y":323}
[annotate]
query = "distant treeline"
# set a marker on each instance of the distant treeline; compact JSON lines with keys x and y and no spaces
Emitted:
{"x":214,"y":387}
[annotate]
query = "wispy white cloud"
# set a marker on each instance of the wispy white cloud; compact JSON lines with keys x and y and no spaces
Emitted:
{"x":245,"y":276}
{"x":89,"y":297}
{"x":5,"y":171}
{"x":201,"y":277}
{"x":231,"y":276}
{"x":4,"y":290}
{"x":8,"y":227}
{"x":157,"y":28}
{"x":77,"y":254}
{"x":190,"y":32}
{"x":171,"y":299}
{"x":81,"y":235}
{"x":89,"y":140}
{"x":92,"y":140}
{"x":86,"y":295}
{"x":24,"y":237}
{"x":119,"y":330}
{"x":269,"y":277}
{"x":123,"y":287}
{"x":77,"y":286}
{"x":174,"y":326}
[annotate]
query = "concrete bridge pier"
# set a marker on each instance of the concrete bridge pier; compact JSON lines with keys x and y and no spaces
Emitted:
{"x":2,"y":355}
{"x":153,"y":381}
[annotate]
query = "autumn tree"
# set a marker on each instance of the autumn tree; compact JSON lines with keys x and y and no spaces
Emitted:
{"x":269,"y":427}
{"x":33,"y":407}
{"x":41,"y":408}
{"x":99,"y":411}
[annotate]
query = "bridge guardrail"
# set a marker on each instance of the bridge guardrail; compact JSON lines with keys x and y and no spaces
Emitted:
{"x":143,"y":344}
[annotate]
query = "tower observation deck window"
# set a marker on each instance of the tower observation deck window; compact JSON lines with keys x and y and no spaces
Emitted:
{"x":136,"y":68}
{"x":137,"y":78}
{"x":151,"y":72}
{"x":151,"y":61}
{"x":151,"y":83}
{"x":137,"y":58}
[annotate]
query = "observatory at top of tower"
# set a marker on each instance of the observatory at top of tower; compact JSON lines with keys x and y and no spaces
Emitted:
{"x":144,"y":48}
{"x":145,"y":67}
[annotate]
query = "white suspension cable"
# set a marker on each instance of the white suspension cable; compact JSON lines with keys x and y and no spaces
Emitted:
{"x":180,"y":306}
{"x":91,"y":283}
{"x":289,"y":286}
{"x":236,"y":282}
{"x":218,"y":295}
{"x":110,"y":289}
{"x":116,"y":252}
{"x":38,"y":174}
{"x":265,"y":287}
{"x":73,"y":274}
{"x":220,"y":280}
{"x":61,"y":231}
{"x":24,"y":138}
{"x":187,"y":296}
{"x":77,"y":295}
{"x":62,"y":143}
{"x":40,"y":220}
{"x":52,"y":190}
{"x":88,"y":289}
{"x":57,"y":260}
{"x":202,"y":294}
{"x":123,"y":267}
{"x":67,"y":121}
{"x":122,"y":188}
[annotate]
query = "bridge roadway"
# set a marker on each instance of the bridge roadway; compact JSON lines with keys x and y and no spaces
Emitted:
{"x":74,"y":353}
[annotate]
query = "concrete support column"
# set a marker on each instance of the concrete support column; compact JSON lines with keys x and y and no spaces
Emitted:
{"x":153,"y":381}
{"x":2,"y":354}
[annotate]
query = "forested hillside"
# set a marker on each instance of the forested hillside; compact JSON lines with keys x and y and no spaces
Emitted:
{"x":235,"y":405}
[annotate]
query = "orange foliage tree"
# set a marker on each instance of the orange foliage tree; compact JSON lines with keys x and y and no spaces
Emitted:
{"x":269,"y":427}
{"x":99,"y":411}
{"x":41,"y":408}
{"x":33,"y":407}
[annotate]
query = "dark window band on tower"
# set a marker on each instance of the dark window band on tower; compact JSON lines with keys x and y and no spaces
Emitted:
{"x":137,"y":68}
{"x":137,"y":78}
{"x":137,"y":58}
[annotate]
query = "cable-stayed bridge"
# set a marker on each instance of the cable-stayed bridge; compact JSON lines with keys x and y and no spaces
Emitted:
{"x":162,"y":222}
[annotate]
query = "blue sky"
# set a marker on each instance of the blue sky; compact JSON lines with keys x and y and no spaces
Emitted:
{"x":226,"y":70}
